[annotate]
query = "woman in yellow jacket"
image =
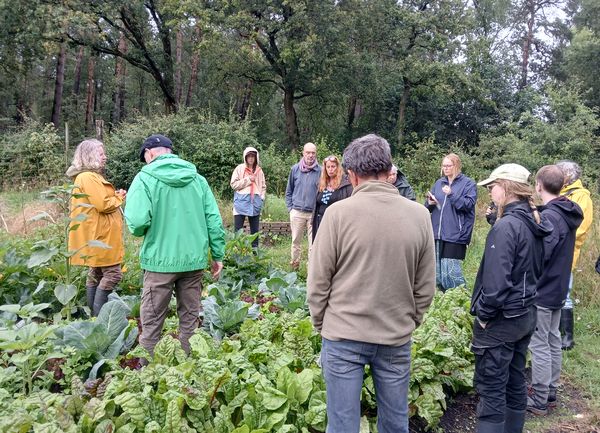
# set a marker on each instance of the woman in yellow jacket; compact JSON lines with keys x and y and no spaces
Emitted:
{"x":95,"y":216}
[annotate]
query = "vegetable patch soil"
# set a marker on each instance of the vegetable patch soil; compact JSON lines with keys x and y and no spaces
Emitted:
{"x":571,"y":415}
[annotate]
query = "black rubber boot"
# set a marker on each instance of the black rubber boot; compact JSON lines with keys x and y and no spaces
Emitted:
{"x":90,"y":293}
{"x":99,"y":300}
{"x":566,"y":328}
{"x":514,"y":420}
{"x":489,"y":427}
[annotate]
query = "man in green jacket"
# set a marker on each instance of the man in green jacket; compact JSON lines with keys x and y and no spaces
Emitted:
{"x":173,"y":208}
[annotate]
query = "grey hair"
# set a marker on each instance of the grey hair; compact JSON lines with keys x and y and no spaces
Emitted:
{"x":570,"y":169}
{"x":87,"y":156}
{"x":368,"y":156}
{"x":394,"y":169}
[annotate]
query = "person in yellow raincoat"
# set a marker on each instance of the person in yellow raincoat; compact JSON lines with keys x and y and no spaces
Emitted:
{"x":96,"y":216}
{"x":574,"y":190}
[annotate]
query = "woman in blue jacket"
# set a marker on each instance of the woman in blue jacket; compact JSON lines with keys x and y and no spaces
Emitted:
{"x":451,"y":202}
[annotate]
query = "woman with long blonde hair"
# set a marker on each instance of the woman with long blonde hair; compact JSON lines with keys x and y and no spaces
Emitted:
{"x":96,"y":216}
{"x":333,"y":186}
{"x":503,"y":300}
{"x":451,"y":202}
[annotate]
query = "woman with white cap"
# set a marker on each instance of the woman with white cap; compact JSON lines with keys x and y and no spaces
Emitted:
{"x":503,"y":298}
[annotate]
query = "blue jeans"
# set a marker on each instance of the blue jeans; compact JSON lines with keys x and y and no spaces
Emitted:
{"x":448,"y":272}
{"x":343,"y":368}
{"x":569,"y":301}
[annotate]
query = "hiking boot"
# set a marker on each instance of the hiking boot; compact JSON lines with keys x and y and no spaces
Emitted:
{"x":566,"y":328}
{"x":535,"y":408}
{"x":552,"y":398}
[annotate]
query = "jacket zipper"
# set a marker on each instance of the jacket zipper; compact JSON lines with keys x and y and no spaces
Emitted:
{"x":441,"y":215}
{"x":524,"y":284}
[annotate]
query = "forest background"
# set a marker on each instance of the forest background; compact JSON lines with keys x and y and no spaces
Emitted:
{"x":495,"y":80}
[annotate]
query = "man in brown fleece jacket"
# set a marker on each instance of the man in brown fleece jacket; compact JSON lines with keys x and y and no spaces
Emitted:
{"x":371,"y":278}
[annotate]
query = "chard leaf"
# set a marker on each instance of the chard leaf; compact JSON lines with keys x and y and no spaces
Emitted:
{"x":94,"y":409}
{"x":271,"y":398}
{"x":316,"y":416}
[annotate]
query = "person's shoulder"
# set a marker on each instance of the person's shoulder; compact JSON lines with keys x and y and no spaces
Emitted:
{"x":467,"y":180}
{"x":415,"y":208}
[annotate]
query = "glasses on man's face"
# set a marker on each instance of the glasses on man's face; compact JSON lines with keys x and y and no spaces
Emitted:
{"x":490,"y":187}
{"x":330,"y":158}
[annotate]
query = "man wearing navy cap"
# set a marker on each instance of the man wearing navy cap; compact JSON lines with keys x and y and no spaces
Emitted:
{"x":173,"y":208}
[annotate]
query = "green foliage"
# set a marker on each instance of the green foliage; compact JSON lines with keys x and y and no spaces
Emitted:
{"x":104,"y":338}
{"x":223,"y":312}
{"x":33,"y":155}
{"x":421,"y":164}
{"x":241,"y":261}
{"x":561,"y":127}
{"x":214,"y":146}
{"x":26,"y":349}
{"x":290,"y":294}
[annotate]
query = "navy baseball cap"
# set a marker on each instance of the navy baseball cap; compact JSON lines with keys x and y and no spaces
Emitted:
{"x":153,"y":141}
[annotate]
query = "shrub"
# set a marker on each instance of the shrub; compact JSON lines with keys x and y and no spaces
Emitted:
{"x":215,"y":147}
{"x":33,"y":155}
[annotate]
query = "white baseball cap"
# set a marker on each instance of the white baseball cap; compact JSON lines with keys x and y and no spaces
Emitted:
{"x":514,"y":172}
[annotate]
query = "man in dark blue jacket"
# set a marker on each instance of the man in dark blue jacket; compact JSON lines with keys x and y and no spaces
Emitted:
{"x":545,"y":346}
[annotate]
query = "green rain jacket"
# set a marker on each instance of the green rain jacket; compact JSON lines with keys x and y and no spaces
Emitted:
{"x":172,"y":206}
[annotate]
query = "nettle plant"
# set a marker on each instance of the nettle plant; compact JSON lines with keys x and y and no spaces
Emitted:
{"x":54,"y":249}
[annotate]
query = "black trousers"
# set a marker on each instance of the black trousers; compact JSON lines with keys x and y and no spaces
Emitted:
{"x":254,"y":221}
{"x":500,"y":355}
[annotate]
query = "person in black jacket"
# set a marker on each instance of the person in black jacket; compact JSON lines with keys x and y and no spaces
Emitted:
{"x":397,"y":178}
{"x":503,"y":301}
{"x":333,"y":186}
{"x":545,"y":346}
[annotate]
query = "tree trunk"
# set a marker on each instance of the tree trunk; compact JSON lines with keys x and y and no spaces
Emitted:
{"x":142,"y":94}
{"x":243,"y":103}
{"x":402,"y":112}
{"x":351,"y":112}
{"x":118,"y":109}
{"x":527,"y":43}
{"x":91,"y":93}
{"x":100,"y":130}
{"x":77,"y":73}
{"x":59,"y":85}
{"x":291,"y":120}
{"x":178,"y":56}
{"x":194,"y":69}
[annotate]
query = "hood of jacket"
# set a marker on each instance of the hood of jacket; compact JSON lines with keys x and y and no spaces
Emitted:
{"x":251,"y":149}
{"x":521,"y":210}
{"x":73,"y":171}
{"x":171,"y":170}
{"x":570,"y":211}
{"x":569,"y":189}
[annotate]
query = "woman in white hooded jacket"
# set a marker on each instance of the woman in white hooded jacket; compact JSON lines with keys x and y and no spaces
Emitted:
{"x":250,"y":188}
